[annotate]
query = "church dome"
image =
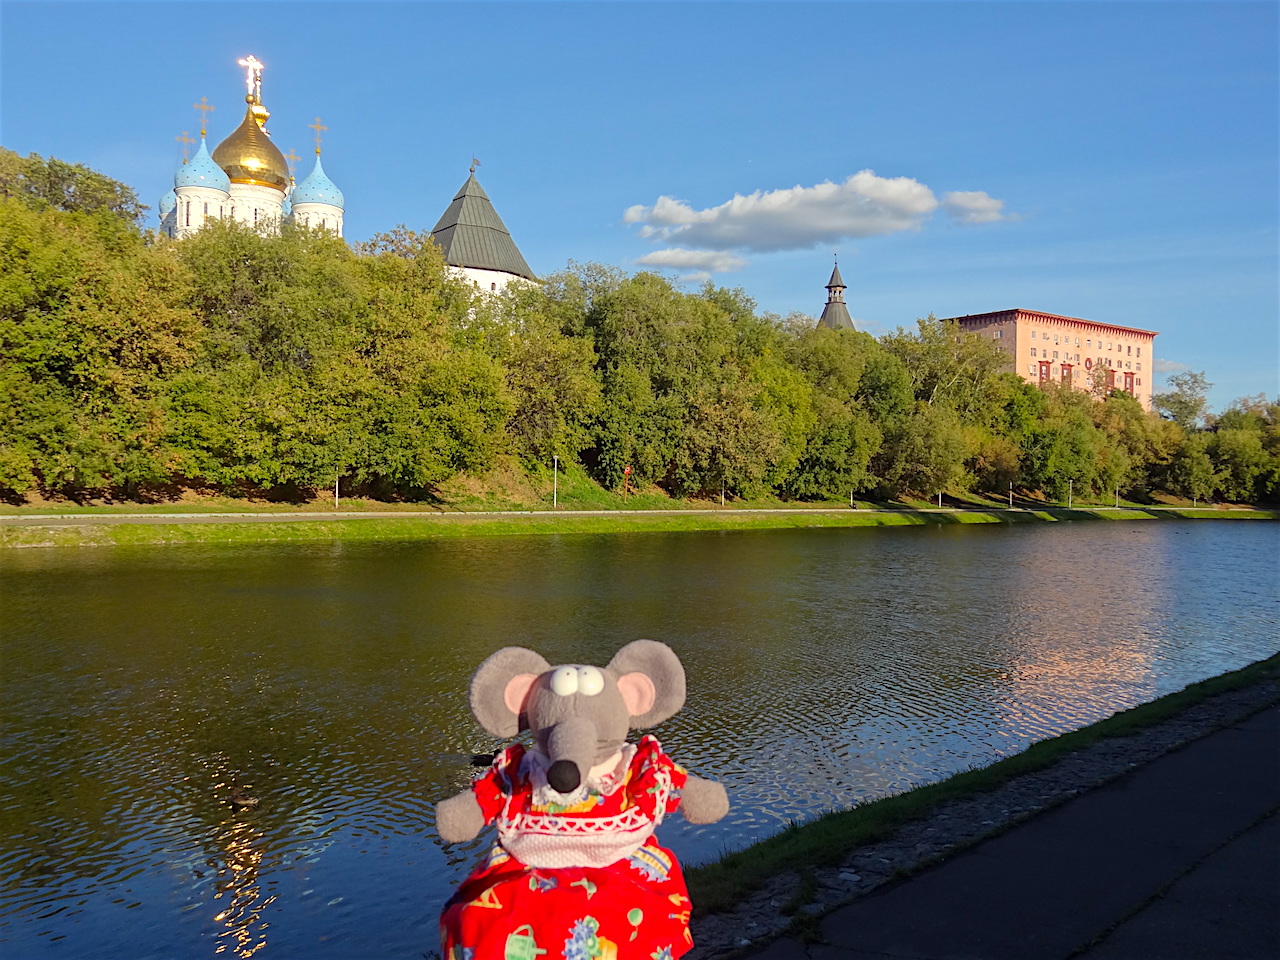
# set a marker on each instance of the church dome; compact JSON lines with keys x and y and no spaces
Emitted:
{"x":202,"y":172}
{"x":318,"y":188}
{"x":249,"y":156}
{"x":167,"y":204}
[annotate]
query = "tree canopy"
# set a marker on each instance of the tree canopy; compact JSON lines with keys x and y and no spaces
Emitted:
{"x":249,"y":363}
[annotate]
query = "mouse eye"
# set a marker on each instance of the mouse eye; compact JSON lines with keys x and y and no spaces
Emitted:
{"x":590,"y":681}
{"x":564,"y":681}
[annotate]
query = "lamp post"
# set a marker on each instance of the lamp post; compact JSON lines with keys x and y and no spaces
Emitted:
{"x":555,"y":482}
{"x":1010,"y":494}
{"x":1071,"y":485}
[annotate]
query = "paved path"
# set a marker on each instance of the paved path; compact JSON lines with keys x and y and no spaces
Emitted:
{"x":1178,"y":860}
{"x":89,"y":519}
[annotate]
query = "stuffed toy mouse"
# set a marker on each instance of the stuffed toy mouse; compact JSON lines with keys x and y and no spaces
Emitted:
{"x":577,"y":873}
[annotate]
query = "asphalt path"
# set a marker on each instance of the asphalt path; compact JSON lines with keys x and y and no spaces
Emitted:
{"x":84,"y":519}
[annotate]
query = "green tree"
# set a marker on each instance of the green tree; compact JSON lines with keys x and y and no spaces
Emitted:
{"x":70,"y":188}
{"x":924,"y":453}
{"x":1185,"y":404}
{"x":951,"y":367}
{"x":91,"y":328}
{"x":1191,"y":473}
{"x":1241,"y":462}
{"x":837,"y":452}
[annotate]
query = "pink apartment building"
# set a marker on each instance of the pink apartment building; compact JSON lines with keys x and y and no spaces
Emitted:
{"x":1045,"y":348}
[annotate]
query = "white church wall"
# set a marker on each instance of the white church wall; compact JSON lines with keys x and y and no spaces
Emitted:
{"x":318,"y":215}
{"x":195,"y":206}
{"x":256,"y":206}
{"x":489,"y":281}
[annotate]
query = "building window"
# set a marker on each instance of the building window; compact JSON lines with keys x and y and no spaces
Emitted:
{"x":1033,"y":334}
{"x":1055,"y":338}
{"x":1033,"y":351}
{"x":1139,"y":366}
{"x":1055,"y":354}
{"x":1077,"y":344}
{"x":1139,"y":351}
{"x":1130,"y":350}
{"x":493,"y":287}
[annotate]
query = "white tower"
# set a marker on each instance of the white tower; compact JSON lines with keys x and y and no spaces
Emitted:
{"x":200,"y":191}
{"x":316,"y":201}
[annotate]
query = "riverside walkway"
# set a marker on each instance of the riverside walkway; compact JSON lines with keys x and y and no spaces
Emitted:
{"x":95,"y":519}
{"x":1177,"y":860}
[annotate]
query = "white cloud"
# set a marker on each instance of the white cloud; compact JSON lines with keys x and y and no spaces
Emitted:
{"x":794,"y":219}
{"x":973,"y":206}
{"x":798,"y":218}
{"x":716,"y":261}
{"x":1168,"y":366}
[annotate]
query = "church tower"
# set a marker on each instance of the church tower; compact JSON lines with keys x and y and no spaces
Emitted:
{"x":247,"y":178}
{"x":257,"y":169}
{"x":835,"y":315}
{"x":476,"y":243}
{"x":200,"y":193}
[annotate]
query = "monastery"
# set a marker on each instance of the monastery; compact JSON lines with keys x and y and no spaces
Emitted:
{"x":246,"y":178}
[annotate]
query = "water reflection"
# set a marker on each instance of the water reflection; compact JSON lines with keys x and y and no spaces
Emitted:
{"x":143,"y":688}
{"x":243,"y":848}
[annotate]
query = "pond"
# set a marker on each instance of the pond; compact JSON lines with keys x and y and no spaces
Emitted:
{"x":142,"y":688}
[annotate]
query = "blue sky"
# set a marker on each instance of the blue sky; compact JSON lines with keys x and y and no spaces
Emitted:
{"x":1113,"y":161}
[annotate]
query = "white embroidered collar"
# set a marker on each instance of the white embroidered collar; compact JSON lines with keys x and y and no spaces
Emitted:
{"x":603,"y":779}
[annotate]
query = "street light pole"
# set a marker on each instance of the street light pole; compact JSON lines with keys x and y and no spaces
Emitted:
{"x":1071,"y":485}
{"x":555,"y":482}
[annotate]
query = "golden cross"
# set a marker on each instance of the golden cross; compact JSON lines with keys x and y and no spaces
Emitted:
{"x":293,"y":158}
{"x":186,"y":141}
{"x":319,"y":128}
{"x":204,"y":107}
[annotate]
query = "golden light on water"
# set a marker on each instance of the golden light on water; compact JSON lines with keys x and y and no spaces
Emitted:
{"x":243,"y":847}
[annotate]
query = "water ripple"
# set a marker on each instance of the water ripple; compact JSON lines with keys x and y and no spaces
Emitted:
{"x":238,"y":750}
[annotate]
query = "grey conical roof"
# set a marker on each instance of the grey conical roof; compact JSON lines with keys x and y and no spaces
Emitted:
{"x":473,"y":235}
{"x":836,"y":316}
{"x":836,"y":280}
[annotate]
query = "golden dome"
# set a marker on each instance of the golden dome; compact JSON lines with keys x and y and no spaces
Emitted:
{"x":249,"y":156}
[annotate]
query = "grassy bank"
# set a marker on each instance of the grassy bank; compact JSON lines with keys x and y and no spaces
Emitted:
{"x":153,"y":529}
{"x":829,"y":839}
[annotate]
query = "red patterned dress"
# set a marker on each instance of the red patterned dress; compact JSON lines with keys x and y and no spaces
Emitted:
{"x":576,"y":876}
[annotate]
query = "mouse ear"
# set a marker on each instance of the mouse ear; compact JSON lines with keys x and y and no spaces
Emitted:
{"x":651,"y":679}
{"x":501,"y":687}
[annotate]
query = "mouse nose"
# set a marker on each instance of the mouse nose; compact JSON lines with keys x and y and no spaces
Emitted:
{"x":563,"y":776}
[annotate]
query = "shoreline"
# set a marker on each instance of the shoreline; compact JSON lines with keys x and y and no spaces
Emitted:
{"x":85,"y":529}
{"x":924,"y":826}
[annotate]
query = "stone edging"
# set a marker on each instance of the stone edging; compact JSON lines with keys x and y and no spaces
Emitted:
{"x":956,"y":825}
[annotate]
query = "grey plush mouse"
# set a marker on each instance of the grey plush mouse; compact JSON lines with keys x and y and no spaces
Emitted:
{"x":577,"y":871}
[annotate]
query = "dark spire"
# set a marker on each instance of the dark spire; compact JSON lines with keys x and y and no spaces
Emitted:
{"x":473,"y":235}
{"x":835,"y":315}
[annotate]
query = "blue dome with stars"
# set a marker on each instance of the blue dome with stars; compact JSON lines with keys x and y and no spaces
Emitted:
{"x":202,"y":172}
{"x":167,"y":203}
{"x":317,"y":188}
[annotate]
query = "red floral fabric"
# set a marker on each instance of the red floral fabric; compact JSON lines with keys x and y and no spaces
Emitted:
{"x":635,"y":908}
